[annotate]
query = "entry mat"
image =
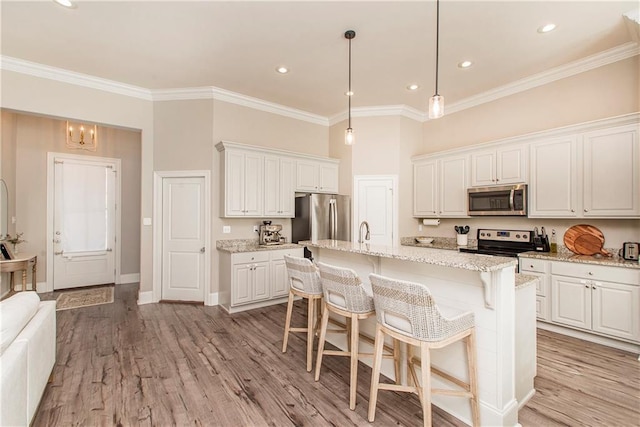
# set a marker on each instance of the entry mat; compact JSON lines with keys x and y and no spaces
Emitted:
{"x":84,"y":298}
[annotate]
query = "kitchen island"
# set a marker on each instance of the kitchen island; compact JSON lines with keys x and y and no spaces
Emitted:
{"x":504,"y":314}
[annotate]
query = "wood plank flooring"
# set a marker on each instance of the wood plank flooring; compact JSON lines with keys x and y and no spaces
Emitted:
{"x":182,"y":364}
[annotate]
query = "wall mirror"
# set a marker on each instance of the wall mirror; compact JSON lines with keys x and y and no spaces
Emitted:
{"x":4,"y":209}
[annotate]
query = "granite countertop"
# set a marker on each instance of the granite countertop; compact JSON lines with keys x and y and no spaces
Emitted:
{"x":423,"y":254}
{"x":448,"y":243}
{"x":250,"y":245}
{"x":568,"y":256}
{"x":523,"y":280}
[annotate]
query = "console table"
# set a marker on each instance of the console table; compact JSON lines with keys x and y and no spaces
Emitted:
{"x":20,"y":262}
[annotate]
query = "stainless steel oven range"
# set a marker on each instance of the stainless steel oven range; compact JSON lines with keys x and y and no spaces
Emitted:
{"x":503,"y":242}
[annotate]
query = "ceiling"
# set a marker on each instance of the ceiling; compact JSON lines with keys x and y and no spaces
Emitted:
{"x":236,"y":45}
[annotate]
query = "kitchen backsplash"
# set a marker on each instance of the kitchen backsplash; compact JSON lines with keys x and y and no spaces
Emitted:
{"x":616,"y":231}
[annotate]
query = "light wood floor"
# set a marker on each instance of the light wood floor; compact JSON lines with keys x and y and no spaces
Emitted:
{"x":179,"y":364}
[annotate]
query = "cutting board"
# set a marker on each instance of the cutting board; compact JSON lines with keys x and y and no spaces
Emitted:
{"x":585,"y":239}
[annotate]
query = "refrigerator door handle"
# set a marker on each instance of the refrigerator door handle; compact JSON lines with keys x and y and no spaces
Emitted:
{"x":333,"y":219}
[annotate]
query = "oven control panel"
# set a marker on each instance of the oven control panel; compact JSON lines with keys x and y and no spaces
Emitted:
{"x":504,"y":235}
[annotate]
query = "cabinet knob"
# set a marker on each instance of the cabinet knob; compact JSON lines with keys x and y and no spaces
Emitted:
{"x":593,"y":287}
{"x":590,"y":274}
{"x":586,"y":210}
{"x":573,"y":210}
{"x":531,"y":266}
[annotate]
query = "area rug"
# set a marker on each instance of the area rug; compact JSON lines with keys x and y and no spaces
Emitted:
{"x":84,"y":298}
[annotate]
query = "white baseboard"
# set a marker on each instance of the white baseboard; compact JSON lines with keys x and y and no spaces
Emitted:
{"x":145,"y":297}
{"x":211,"y":299}
{"x":129,"y":278}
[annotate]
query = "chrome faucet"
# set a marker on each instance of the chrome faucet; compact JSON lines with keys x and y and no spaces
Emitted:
{"x":367,"y":236}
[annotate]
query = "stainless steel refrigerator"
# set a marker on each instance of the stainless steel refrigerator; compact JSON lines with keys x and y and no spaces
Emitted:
{"x":322,"y":216}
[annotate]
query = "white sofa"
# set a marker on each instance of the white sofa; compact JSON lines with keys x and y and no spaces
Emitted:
{"x":27,"y":355}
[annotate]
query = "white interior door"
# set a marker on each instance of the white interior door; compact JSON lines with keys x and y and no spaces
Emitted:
{"x":84,"y":222}
{"x":375,"y":202}
{"x":183,"y":238}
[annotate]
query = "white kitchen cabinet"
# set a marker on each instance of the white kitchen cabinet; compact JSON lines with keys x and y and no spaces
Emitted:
{"x":254,"y":279}
{"x":553,"y":187}
{"x":611,"y":172}
{"x":440,"y":187}
{"x":279,"y":193}
{"x":425,"y":188}
{"x":314,"y":176}
{"x":249,"y":280}
{"x":499,"y":166}
{"x":604,"y":300}
{"x":242,"y":181}
{"x":538,"y":268}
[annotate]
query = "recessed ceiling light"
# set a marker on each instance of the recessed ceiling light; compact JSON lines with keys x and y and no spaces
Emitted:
{"x":282,"y":70}
{"x":413,"y":87}
{"x":349,"y":93}
{"x":465,"y":64}
{"x":546,"y":28}
{"x":66,"y":3}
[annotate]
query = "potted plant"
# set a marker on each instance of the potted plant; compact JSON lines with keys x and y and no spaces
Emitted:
{"x":15,"y":241}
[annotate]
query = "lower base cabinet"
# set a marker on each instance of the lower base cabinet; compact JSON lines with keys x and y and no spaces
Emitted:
{"x":254,"y":279}
{"x":598,"y":299}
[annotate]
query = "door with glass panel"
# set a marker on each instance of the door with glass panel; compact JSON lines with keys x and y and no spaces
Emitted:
{"x":84,"y":221}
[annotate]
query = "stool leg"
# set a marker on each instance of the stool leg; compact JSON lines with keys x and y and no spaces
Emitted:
{"x":425,"y":371}
{"x":396,"y":360}
{"x":321,"y":339}
{"x":375,"y":372}
{"x":473,"y":377}
{"x":353,"y":385}
{"x":310,"y":332}
{"x":287,"y":323}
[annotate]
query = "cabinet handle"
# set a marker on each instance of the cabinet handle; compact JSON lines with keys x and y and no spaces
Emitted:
{"x":586,"y":286}
{"x":593,"y":287}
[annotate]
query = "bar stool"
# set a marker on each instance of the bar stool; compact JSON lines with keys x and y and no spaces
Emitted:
{"x":304,"y":281}
{"x":345,"y":295}
{"x":406,"y":311}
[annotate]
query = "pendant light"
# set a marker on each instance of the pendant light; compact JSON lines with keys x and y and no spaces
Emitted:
{"x":436,"y":102}
{"x":349,"y":137}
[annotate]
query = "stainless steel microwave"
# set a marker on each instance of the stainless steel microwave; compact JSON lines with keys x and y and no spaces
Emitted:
{"x":509,"y":200}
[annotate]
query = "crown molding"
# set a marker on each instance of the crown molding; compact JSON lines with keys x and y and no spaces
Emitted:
{"x":600,"y":59}
{"x":21,"y":66}
{"x":269,"y":107}
{"x":606,"y":57}
{"x":379,"y":111}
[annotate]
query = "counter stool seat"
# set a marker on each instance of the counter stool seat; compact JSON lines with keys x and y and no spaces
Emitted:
{"x":347,"y":296}
{"x":407,"y":312}
{"x":304,"y":280}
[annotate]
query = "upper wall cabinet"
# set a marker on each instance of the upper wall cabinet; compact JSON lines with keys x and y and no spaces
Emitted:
{"x":440,"y":186}
{"x":279,"y":194}
{"x":498,"y":166}
{"x":261,"y":182}
{"x":592,"y":174}
{"x":611,"y":171}
{"x":553,"y":189}
{"x":316,"y":176}
{"x":242,"y":183}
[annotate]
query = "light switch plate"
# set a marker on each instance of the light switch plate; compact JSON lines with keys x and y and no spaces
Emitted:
{"x":226,"y":229}
{"x":146,"y":221}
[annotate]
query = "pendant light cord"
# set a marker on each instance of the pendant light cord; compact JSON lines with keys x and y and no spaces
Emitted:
{"x":349,"y":94}
{"x":437,"y":41}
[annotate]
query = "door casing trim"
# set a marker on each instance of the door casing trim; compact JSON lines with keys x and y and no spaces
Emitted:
{"x":158,"y":177}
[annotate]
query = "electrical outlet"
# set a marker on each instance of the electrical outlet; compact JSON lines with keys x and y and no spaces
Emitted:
{"x":255,"y":228}
{"x":226,"y":229}
{"x":419,"y":227}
